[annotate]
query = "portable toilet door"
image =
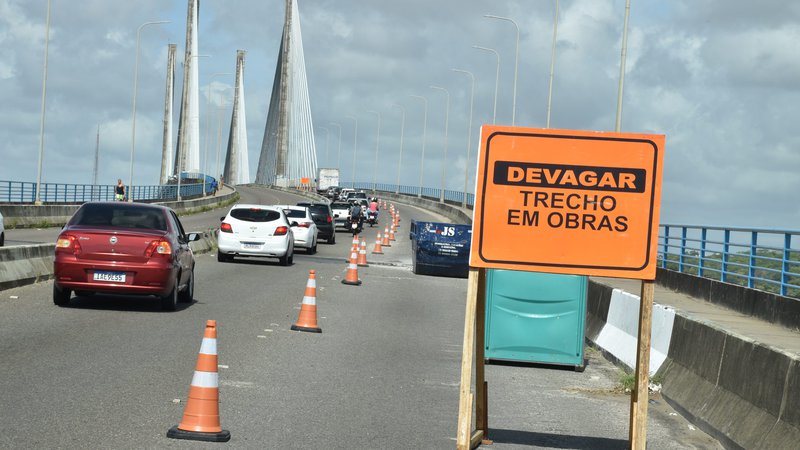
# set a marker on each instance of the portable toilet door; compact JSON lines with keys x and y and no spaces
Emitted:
{"x":535,"y":317}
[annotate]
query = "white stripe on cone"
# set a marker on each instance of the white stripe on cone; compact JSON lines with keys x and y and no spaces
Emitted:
{"x":209,"y":346}
{"x":205,"y":379}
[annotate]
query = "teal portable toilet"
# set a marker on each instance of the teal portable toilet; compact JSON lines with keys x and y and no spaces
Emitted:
{"x":535,"y":317}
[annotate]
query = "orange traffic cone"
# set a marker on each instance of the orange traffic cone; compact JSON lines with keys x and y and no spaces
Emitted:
{"x":386,"y":242}
{"x":351,"y":277}
{"x":377,"y":250}
{"x":354,"y":245}
{"x":391,"y":233}
{"x":201,"y":415}
{"x":307,"y":320}
{"x":362,"y":255}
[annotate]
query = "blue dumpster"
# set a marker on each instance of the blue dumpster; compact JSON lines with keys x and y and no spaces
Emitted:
{"x":535,"y":317}
{"x":440,"y":248}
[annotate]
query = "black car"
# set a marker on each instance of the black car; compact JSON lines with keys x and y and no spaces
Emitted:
{"x":323,"y":218}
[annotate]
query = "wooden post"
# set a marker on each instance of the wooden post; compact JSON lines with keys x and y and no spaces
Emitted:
{"x":639,"y":396}
{"x":481,"y":386}
{"x":463,"y":433}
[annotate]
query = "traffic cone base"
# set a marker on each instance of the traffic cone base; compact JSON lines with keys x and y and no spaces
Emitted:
{"x":176,"y":433}
{"x":310,"y":330}
{"x":352,"y":283}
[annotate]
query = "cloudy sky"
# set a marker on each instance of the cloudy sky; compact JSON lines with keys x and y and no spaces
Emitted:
{"x":721,"y":79}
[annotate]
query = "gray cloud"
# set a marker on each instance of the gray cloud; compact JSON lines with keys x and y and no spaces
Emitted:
{"x":720,"y":78}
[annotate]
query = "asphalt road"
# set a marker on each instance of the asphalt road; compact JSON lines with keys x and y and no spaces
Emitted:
{"x":114,"y":372}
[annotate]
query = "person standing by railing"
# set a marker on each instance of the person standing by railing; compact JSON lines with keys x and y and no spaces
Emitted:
{"x":119,"y":191}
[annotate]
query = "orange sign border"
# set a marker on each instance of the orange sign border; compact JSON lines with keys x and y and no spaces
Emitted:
{"x":636,"y":272}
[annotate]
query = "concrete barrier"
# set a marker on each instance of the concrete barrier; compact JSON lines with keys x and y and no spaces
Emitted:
{"x":745,"y":394}
{"x":619,"y":334}
{"x":28,"y":264}
{"x":43,"y":216}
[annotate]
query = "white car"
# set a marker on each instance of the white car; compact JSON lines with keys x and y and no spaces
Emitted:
{"x":256,"y":230}
{"x":2,"y":231}
{"x":303,"y":226}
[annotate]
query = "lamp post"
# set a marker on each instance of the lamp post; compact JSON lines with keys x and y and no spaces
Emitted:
{"x":355,"y":148}
{"x":618,"y":121}
{"x":38,"y":199}
{"x":377,"y":147}
{"x":446,"y":122}
{"x":327,"y":142}
{"x":496,"y":78}
{"x":135,"y":87}
{"x":516,"y":64}
{"x":424,"y":131}
{"x":469,"y":133}
{"x":339,"y":155}
{"x":552,"y":65}
{"x":400,"y":159}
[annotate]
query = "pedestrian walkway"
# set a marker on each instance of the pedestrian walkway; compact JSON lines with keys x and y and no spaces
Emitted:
{"x":769,"y":334}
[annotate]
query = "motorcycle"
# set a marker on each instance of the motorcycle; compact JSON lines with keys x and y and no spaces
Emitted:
{"x":372,"y":218}
{"x":355,"y":225}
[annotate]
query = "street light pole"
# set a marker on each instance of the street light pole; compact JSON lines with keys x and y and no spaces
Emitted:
{"x":400,"y":159}
{"x":135,"y":87}
{"x":469,"y":133}
{"x":377,"y":147}
{"x":496,"y":78}
{"x":516,"y":64}
{"x":355,"y":148}
{"x":552,"y":65}
{"x":424,"y":132}
{"x":446,"y":122}
{"x":618,"y":121}
{"x":38,"y":199}
{"x":339,"y":155}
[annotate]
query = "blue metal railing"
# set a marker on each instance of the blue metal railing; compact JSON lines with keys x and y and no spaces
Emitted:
{"x":25,"y":192}
{"x":764,"y":259}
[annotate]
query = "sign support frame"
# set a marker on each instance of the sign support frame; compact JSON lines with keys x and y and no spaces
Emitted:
{"x":473,"y":354}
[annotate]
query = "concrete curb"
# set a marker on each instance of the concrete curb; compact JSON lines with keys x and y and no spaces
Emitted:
{"x":745,"y":394}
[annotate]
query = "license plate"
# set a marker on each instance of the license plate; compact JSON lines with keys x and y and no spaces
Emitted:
{"x":114,"y":277}
{"x":251,"y":246}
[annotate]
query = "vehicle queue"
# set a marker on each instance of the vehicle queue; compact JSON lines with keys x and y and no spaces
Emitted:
{"x":142,"y":249}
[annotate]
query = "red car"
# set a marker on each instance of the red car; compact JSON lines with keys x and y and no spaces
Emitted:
{"x":124,"y":248}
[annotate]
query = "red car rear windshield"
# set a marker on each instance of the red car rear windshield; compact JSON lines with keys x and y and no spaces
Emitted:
{"x":120,"y":215}
{"x":255,"y":214}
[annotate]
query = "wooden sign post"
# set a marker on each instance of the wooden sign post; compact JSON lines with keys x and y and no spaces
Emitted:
{"x":568,"y":202}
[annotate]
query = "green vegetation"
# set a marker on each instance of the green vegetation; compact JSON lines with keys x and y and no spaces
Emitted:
{"x":768,"y":264}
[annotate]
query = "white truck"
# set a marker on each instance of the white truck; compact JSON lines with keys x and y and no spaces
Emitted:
{"x":326,"y":178}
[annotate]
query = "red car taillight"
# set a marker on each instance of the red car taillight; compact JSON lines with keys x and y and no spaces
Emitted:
{"x":68,"y":243}
{"x":330,"y":219}
{"x":226,"y":228}
{"x":304,"y":225}
{"x":281,"y":231}
{"x":162,"y":248}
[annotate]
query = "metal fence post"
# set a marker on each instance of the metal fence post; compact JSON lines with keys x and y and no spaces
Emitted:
{"x":725,"y":248}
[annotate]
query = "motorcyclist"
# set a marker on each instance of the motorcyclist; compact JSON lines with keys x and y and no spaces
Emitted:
{"x":357,"y":212}
{"x":373,"y":204}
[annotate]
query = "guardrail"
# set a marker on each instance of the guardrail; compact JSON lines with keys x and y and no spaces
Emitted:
{"x":764,"y":259}
{"x":25,"y":192}
{"x":453,"y":197}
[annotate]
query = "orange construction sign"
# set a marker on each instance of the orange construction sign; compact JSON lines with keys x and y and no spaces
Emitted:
{"x":571,"y":202}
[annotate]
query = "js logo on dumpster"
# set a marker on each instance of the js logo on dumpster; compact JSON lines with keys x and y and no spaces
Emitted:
{"x":567,"y":202}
